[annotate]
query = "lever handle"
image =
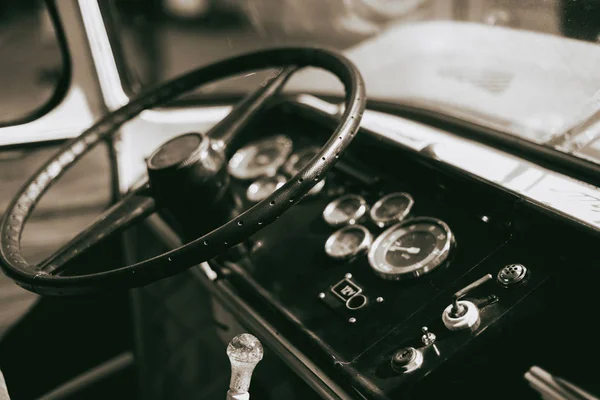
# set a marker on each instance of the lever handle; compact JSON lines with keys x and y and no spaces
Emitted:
{"x":456,"y":308}
{"x":463,"y":292}
{"x":244,"y":352}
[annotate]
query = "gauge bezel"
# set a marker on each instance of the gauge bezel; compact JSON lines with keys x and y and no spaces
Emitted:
{"x":280,"y":179}
{"x":290,"y":165}
{"x":384,"y":222}
{"x":251,"y":149}
{"x":421,"y":268}
{"x":363,"y":246}
{"x":360,"y":212}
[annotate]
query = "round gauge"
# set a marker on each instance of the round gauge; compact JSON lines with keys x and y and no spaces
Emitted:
{"x":261,"y":188}
{"x":263,"y":157}
{"x":299,"y":160}
{"x":348,"y":242}
{"x":411,"y":248}
{"x":347,"y":209}
{"x":391,"y":208}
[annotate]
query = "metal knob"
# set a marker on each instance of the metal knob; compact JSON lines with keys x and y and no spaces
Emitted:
{"x":244,"y":352}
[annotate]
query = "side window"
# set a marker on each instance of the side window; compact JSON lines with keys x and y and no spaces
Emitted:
{"x":31,"y":64}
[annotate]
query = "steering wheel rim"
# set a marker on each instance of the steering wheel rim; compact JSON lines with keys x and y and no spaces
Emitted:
{"x":209,"y":245}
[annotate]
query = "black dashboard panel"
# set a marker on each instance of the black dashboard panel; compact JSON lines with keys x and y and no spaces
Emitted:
{"x":285,"y":275}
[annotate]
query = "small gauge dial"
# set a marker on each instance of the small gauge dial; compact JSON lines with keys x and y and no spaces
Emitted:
{"x":264,"y":186}
{"x":391,"y":208}
{"x":263,"y":157}
{"x":411,"y":248}
{"x":347,"y":209}
{"x":348,"y":242}
{"x":299,"y":160}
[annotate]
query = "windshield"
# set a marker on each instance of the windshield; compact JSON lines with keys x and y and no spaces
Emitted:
{"x":523,"y":67}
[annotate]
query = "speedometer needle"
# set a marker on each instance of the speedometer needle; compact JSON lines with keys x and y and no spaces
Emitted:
{"x":410,"y":250}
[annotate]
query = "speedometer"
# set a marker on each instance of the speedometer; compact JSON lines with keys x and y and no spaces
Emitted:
{"x":411,"y":248}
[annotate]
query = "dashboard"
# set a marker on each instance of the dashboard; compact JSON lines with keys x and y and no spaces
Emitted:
{"x":398,"y":275}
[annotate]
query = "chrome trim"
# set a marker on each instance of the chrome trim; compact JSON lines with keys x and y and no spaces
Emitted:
{"x":359,"y":213}
{"x":417,"y":269}
{"x":383,"y":222}
{"x":551,"y":190}
{"x":315,"y":377}
{"x":108,"y":73}
{"x":362,"y":246}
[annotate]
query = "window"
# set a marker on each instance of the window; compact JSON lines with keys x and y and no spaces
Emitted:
{"x":31,"y":64}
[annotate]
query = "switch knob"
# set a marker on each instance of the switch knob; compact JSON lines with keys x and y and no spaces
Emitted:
{"x":244,"y":352}
{"x":463,"y":314}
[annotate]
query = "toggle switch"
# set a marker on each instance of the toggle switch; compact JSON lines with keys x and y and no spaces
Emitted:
{"x":463,"y":314}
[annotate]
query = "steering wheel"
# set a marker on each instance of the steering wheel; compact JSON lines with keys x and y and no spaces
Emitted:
{"x":49,"y":276}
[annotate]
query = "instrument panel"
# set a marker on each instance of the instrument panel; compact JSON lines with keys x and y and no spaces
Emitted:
{"x":388,"y":273}
{"x":364,"y":251}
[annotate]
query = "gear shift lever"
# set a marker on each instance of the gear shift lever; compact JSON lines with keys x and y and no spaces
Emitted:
{"x":244,"y":352}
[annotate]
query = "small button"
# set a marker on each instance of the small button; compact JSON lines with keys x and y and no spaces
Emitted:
{"x":512,"y":274}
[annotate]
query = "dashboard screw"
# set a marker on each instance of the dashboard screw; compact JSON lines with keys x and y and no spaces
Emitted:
{"x":321,"y":295}
{"x":352,"y":320}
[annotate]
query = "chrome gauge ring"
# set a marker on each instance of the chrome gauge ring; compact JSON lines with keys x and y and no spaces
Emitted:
{"x":299,"y":160}
{"x":348,"y":242}
{"x":411,"y":248}
{"x":391,"y":208}
{"x":261,"y":188}
{"x":347,"y":209}
{"x":263,"y":157}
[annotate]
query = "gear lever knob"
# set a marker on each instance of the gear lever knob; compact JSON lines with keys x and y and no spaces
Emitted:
{"x":244,"y":352}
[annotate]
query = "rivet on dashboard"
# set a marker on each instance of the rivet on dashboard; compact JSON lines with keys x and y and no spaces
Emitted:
{"x":379,"y":299}
{"x":348,"y":275}
{"x":352,"y":320}
{"x":485,"y":218}
{"x":321,"y":295}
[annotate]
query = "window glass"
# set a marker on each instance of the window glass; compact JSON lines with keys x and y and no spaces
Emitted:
{"x":31,"y":64}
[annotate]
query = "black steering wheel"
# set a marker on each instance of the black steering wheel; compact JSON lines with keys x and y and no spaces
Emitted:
{"x":49,"y":276}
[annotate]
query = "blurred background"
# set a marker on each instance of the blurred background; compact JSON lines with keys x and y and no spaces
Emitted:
{"x":163,"y":38}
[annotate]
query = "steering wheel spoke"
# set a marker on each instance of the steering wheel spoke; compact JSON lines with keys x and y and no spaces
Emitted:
{"x":223,"y":132}
{"x":135,"y":206}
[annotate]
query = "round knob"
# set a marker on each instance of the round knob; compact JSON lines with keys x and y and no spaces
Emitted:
{"x":512,"y":274}
{"x":244,"y":352}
